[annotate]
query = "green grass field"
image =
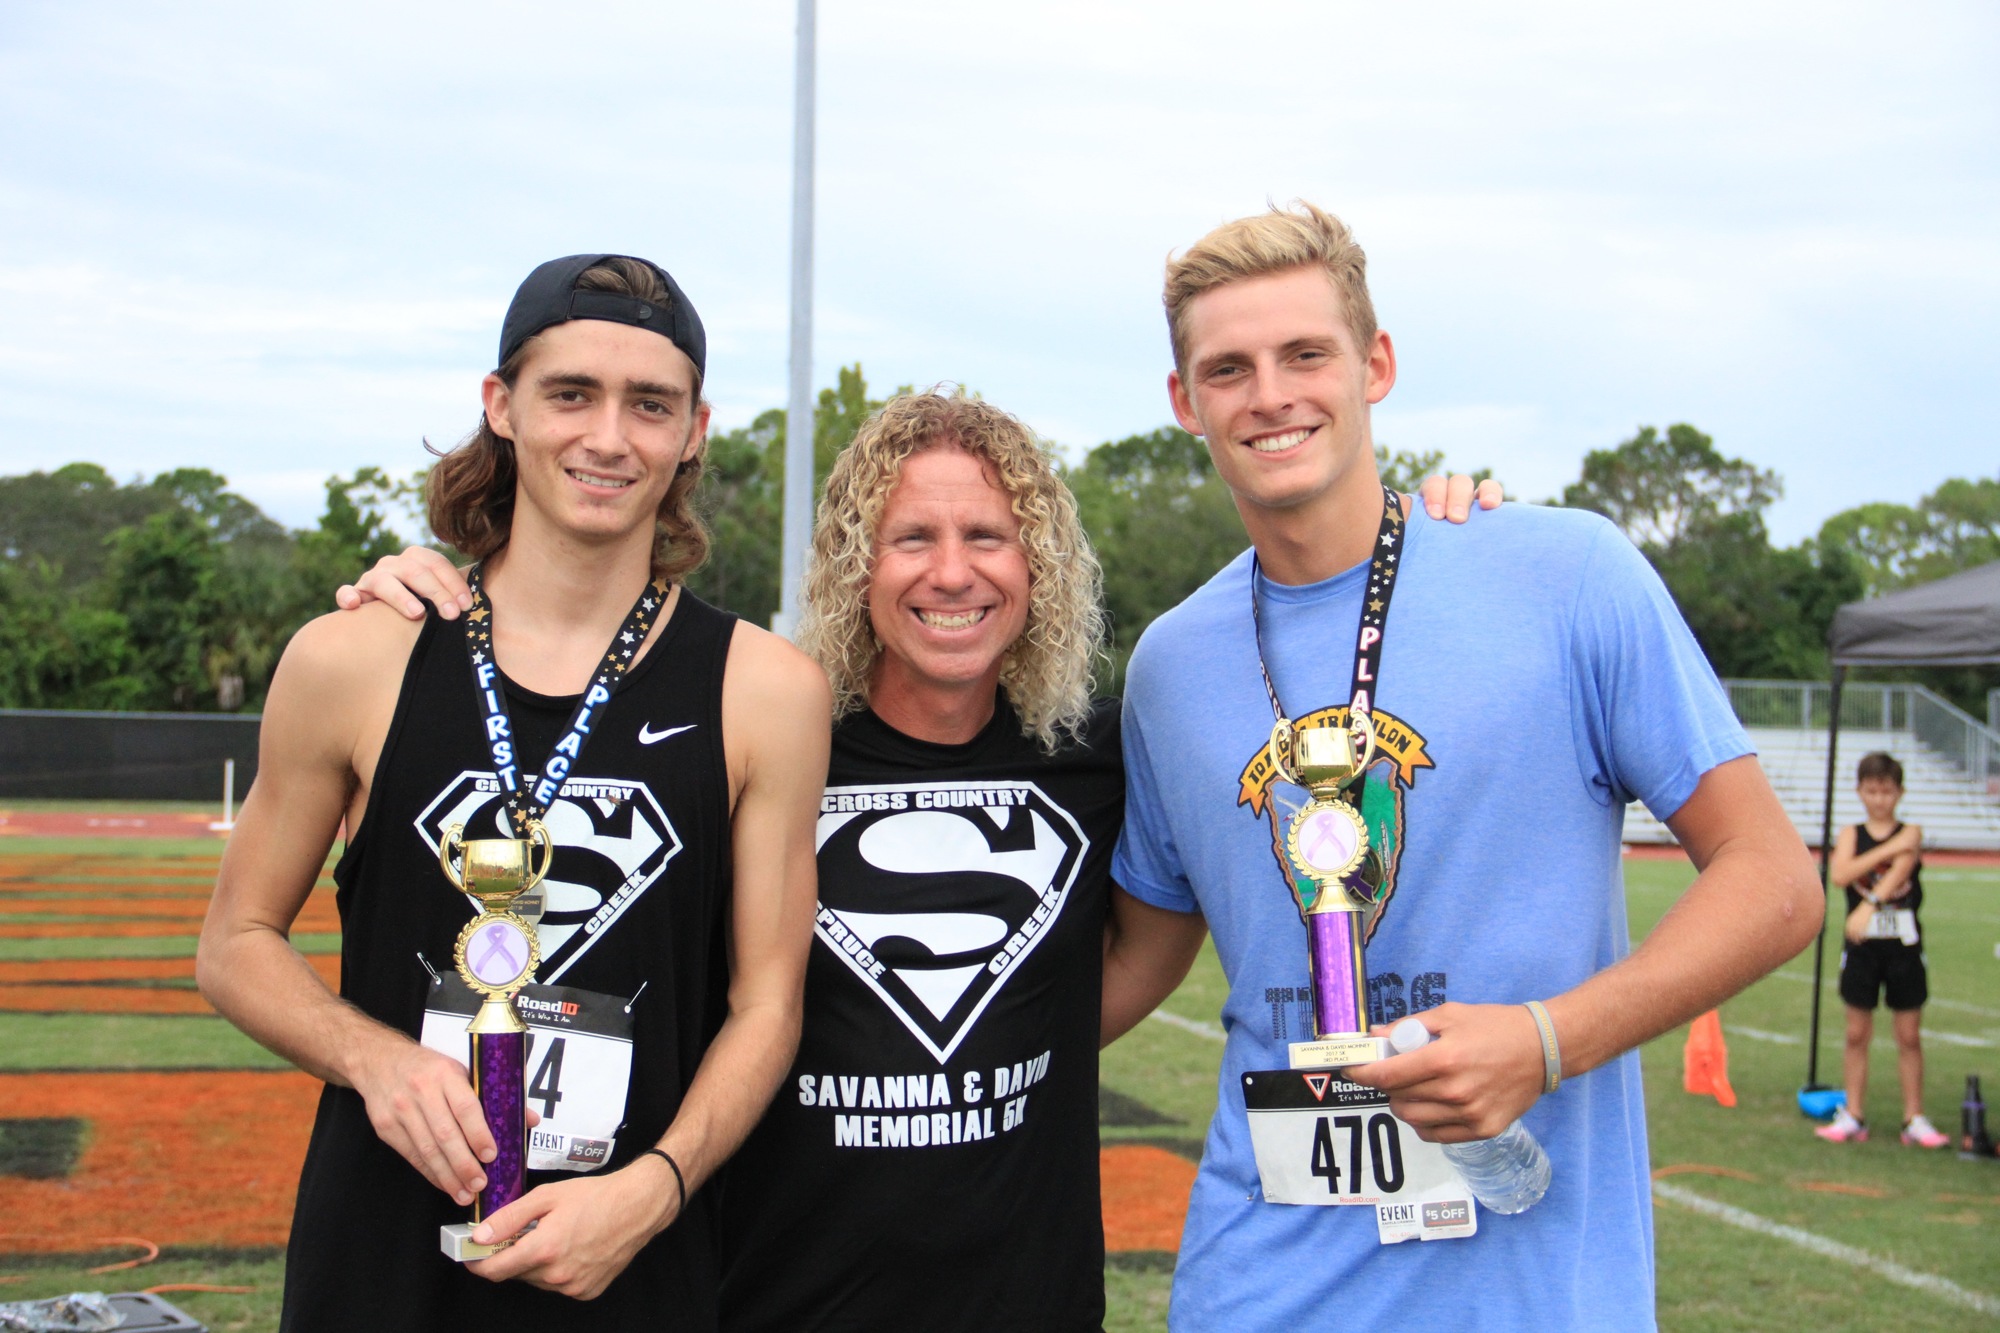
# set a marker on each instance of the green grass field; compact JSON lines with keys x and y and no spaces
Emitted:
{"x":1927,"y":1212}
{"x":1935,"y":1214}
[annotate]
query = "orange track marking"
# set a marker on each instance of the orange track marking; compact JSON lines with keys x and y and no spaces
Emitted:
{"x":95,"y":969}
{"x":177,"y":909}
{"x":189,"y":1158}
{"x":48,"y":986}
{"x":1697,"y":1169}
{"x":318,"y":917}
{"x":79,"y":824}
{"x":101,"y":1000}
{"x":1145,"y":1196}
{"x":1841,"y":1187}
{"x":52,"y":930}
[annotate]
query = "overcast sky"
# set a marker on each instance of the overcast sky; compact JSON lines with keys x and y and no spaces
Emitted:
{"x":276,"y":241}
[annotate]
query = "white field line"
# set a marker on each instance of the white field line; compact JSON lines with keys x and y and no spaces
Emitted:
{"x":1956,"y":1039}
{"x":1194,"y":1025}
{"x":1759,"y":1034}
{"x":1947,"y":914}
{"x":1960,"y":1006}
{"x":1832,"y":981}
{"x":1942,"y":1288}
{"x":1786,"y":1039}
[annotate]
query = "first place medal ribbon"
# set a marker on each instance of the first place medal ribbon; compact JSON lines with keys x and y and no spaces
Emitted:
{"x":527,"y":803}
{"x":1363,"y":689}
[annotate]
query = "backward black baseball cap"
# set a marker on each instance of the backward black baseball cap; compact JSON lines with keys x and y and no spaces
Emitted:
{"x":549,"y":296}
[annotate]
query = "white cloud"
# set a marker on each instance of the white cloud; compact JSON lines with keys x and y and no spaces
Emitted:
{"x":266,"y":239}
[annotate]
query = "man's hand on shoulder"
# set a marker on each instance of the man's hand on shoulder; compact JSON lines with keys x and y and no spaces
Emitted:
{"x":1453,"y":498}
{"x":400,"y":580}
{"x":586,"y":1231}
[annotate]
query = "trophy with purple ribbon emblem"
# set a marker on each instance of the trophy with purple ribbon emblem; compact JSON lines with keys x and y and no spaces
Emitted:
{"x":497,"y":954}
{"x":1328,"y":847}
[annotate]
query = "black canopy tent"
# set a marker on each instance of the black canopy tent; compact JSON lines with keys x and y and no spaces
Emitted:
{"x":1954,"y":621}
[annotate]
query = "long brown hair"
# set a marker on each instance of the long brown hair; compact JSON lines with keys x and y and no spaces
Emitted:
{"x":469,"y":496}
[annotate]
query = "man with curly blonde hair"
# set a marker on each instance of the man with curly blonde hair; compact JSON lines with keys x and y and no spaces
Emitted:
{"x":1045,"y":667}
{"x":933,"y":1162}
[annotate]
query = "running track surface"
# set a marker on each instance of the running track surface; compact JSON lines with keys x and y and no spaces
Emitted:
{"x":211,"y":1157}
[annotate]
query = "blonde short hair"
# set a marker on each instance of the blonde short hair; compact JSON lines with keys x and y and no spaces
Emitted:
{"x":1046,"y":673}
{"x":1299,"y":236}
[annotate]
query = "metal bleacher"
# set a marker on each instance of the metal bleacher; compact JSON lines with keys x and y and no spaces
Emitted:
{"x":1951,"y":761}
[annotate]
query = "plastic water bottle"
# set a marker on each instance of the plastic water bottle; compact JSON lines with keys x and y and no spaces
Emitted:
{"x":1973,"y":1140}
{"x":1508,"y":1173}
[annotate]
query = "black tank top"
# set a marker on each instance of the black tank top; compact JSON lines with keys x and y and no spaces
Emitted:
{"x":638,"y":893}
{"x":1864,"y":841}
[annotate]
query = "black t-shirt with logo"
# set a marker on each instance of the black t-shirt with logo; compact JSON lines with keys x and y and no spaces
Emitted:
{"x":638,"y":896}
{"x":931,"y":1160}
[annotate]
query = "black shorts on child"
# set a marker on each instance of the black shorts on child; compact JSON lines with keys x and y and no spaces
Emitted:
{"x":1875,"y":969}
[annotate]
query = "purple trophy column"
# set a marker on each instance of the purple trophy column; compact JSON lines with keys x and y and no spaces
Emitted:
{"x":499,"y":1063}
{"x":1336,"y":974}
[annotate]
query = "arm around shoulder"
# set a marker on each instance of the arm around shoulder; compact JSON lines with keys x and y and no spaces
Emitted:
{"x":1147,"y":953}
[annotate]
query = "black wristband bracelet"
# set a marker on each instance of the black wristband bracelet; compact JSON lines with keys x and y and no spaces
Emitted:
{"x":680,"y":1181}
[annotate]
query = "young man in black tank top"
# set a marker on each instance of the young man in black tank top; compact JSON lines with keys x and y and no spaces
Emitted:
{"x":682,"y":885}
{"x":932,"y":1160}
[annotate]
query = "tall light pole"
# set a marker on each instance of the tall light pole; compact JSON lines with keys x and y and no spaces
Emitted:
{"x":799,"y":406}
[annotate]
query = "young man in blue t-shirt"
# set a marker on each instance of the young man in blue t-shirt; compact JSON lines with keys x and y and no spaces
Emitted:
{"x":1534,"y":677}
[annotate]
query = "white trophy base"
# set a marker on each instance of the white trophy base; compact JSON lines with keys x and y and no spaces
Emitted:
{"x":455,"y":1239}
{"x":1339,"y":1052}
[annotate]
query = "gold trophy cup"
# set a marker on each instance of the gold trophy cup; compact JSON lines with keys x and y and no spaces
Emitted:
{"x":496,"y":954}
{"x":1328,"y":847}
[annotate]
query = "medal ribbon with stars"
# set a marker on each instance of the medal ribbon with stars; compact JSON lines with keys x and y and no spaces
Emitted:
{"x":1363,"y":689}
{"x":526,"y":803}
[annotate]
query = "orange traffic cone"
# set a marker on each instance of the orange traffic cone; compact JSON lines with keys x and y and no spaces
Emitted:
{"x":1705,"y":1060}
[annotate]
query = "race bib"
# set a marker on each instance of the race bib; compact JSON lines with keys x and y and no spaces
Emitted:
{"x":1893,"y":924}
{"x":1322,"y":1140}
{"x":579,"y":1065}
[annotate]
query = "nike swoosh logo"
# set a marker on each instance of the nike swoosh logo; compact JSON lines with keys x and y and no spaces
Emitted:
{"x":647,"y":736}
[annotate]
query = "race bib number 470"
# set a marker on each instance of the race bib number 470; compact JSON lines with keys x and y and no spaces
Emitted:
{"x":1322,"y":1140}
{"x":579,"y":1065}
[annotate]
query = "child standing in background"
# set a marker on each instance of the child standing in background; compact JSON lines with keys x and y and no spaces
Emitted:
{"x":1877,"y":862}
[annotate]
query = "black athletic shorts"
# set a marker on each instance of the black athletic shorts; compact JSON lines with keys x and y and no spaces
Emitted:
{"x":1873,"y":969}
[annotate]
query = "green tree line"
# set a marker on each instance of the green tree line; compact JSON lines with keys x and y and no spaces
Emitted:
{"x":176,"y":593}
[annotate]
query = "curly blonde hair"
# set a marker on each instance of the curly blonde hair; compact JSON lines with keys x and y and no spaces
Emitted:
{"x":1046,"y":673}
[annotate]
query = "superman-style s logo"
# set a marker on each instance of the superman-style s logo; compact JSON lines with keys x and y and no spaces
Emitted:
{"x":934,"y":894}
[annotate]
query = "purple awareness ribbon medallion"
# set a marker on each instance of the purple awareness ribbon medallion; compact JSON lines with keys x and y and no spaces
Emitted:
{"x":501,"y":944}
{"x":1326,"y":843}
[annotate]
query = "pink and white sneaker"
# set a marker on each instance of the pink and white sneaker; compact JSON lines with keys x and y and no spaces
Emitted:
{"x":1844,"y":1129}
{"x":1921,"y":1133}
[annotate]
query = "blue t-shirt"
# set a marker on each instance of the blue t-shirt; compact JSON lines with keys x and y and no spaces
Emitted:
{"x":1535,"y":677}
